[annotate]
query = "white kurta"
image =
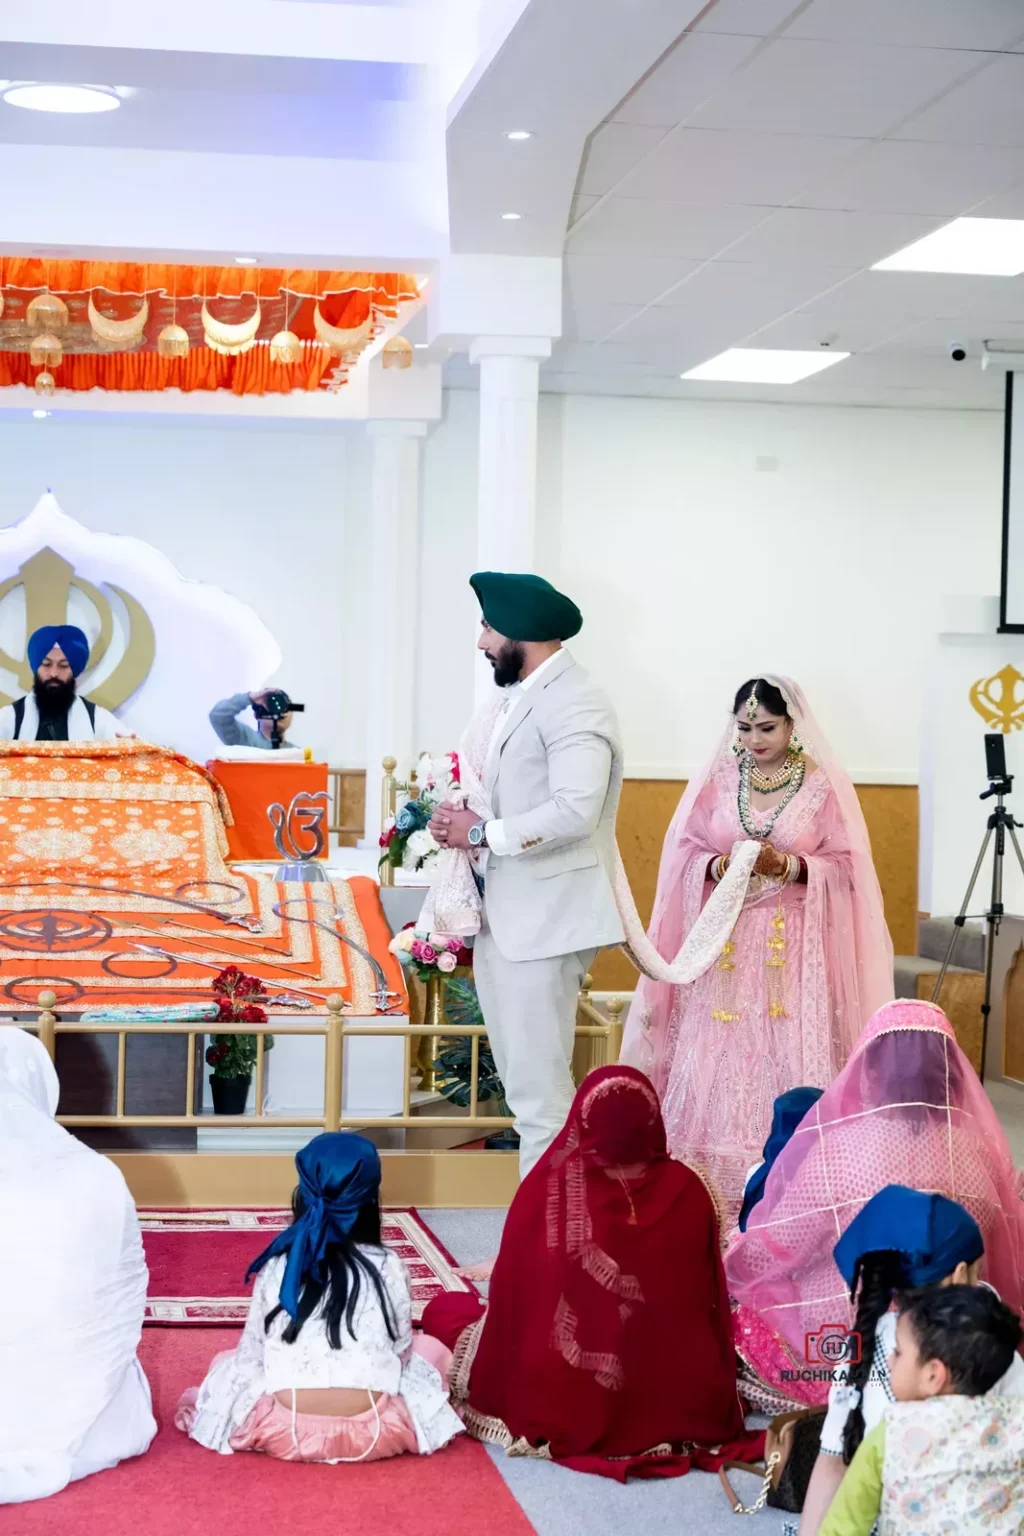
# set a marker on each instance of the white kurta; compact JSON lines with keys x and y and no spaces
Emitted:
{"x":73,"y":1397}
{"x":262,"y":1362}
{"x":79,"y":729}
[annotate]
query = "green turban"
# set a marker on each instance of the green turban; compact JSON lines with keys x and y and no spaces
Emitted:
{"x":525,"y":607}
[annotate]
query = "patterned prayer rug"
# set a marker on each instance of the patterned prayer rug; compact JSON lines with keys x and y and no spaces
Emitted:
{"x":198,"y":1259}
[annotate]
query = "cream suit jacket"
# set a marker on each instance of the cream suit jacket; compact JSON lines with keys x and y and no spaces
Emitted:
{"x":553,"y":777}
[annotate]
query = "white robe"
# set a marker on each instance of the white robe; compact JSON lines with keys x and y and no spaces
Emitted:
{"x":74,"y":1399}
{"x":107,"y":725}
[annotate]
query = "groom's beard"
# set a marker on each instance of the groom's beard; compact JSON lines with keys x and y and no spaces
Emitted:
{"x":53,"y":697}
{"x":508,"y":663}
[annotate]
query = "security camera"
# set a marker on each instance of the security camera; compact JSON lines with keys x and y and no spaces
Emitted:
{"x":957,"y":351}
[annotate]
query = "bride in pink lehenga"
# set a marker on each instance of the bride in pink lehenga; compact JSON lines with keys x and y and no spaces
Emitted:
{"x":809,"y":959}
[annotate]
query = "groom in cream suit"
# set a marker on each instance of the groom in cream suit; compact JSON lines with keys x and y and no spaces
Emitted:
{"x":553,"y":776}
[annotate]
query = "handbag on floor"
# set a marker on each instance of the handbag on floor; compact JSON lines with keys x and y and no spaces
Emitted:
{"x":791,"y":1446}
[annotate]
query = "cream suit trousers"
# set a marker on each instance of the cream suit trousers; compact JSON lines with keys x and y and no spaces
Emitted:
{"x":529,"y":1007}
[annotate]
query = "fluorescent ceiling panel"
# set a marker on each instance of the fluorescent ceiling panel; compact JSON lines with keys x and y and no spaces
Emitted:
{"x":763,"y":365}
{"x":979,"y":247}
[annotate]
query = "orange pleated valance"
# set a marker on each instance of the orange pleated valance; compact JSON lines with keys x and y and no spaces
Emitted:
{"x":353,"y":306}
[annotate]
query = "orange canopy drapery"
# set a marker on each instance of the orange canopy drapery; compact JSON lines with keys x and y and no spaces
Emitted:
{"x":360,"y":303}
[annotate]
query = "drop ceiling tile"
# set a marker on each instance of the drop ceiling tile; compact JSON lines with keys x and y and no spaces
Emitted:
{"x":593,"y":322}
{"x":1004,"y":205}
{"x":900,"y":176}
{"x":832,"y":237}
{"x":751,"y":296}
{"x":645,"y":227}
{"x":612,"y":152}
{"x":602,"y":276}
{"x":753,"y":18}
{"x":801,"y":86}
{"x":981,"y":24}
{"x":684,"y":79}
{"x":706,"y":165}
{"x":985,"y":109}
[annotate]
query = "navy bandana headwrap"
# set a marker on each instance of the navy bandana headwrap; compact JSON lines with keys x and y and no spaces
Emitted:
{"x":789,"y":1110}
{"x":71,"y":641}
{"x":339,"y":1173}
{"x":932,"y":1233}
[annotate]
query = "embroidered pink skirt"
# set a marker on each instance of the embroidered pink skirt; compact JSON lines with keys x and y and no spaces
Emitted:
{"x":382,"y":1431}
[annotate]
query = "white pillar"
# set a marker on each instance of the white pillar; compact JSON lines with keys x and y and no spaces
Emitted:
{"x":507,"y":486}
{"x":394,"y":603}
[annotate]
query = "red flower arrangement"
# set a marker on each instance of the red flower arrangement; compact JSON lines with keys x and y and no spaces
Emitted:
{"x":235,"y":995}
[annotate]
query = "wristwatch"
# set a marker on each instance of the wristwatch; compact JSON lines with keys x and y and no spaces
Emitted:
{"x":477,"y":835}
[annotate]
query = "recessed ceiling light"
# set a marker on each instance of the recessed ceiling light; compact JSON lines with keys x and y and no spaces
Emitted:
{"x":986,"y":247}
{"x":421,"y":346}
{"x":510,"y":216}
{"x":62,"y":98}
{"x":763,"y":365}
{"x":517,"y":135}
{"x":246,"y":261}
{"x":40,"y":415}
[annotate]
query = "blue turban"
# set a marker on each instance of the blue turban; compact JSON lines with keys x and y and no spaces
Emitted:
{"x":932,"y":1234}
{"x":789,"y":1110}
{"x":339,"y":1173}
{"x":71,"y":641}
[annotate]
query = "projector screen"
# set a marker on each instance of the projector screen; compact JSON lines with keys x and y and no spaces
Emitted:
{"x":1011,"y":605}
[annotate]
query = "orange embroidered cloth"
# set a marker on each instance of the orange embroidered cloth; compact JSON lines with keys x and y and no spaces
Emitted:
{"x":108,"y":845}
{"x":254,"y":788}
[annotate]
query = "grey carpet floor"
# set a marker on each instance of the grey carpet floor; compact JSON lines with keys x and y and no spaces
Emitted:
{"x":562,"y":1503}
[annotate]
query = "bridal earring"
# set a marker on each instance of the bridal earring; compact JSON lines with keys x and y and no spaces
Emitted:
{"x":796,"y":746}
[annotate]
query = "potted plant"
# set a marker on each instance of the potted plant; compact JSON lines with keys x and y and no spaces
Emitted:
{"x":453,"y":1064}
{"x":232,"y":1057}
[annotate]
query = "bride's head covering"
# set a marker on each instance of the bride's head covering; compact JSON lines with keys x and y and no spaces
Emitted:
{"x":73,"y":1280}
{"x":845,"y":906}
{"x":907,"y":1103}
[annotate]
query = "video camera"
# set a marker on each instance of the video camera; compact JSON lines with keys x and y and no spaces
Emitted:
{"x":275,"y":706}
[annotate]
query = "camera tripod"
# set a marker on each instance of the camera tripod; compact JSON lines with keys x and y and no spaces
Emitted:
{"x":999,"y":822}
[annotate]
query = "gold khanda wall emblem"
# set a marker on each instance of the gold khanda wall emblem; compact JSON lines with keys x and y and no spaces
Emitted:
{"x":999,"y":700}
{"x":47,"y":579}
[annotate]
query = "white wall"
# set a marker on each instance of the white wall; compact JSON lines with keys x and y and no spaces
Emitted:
{"x":695,"y":568}
{"x":258,"y":512}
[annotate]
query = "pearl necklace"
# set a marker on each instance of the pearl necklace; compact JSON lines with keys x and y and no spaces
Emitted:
{"x":763,"y":831}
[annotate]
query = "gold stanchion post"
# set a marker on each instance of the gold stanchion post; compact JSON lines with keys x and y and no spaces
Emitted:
{"x":334,"y":1063}
{"x":48,"y":1023}
{"x":433,"y":1018}
{"x":616,"y":1008}
{"x":388,"y":795}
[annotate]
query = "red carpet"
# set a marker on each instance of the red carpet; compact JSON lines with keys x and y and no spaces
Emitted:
{"x":180,"y":1489}
{"x":198,"y":1259}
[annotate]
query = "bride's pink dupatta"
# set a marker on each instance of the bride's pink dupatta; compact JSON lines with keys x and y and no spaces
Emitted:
{"x":907,"y":1107}
{"x":847,"y":966}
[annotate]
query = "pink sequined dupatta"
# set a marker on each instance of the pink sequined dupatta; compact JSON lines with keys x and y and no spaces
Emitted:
{"x":908,"y":1107}
{"x":847,"y":959}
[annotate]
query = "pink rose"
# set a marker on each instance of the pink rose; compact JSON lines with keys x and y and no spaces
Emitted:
{"x":439,"y":940}
{"x":455,"y":769}
{"x":427,"y":954}
{"x":418,"y":947}
{"x":454,"y":945}
{"x":446,"y":962}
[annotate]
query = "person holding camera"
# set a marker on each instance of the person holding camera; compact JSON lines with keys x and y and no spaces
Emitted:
{"x":272,"y":721}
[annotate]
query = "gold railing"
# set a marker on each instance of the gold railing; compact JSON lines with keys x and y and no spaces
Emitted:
{"x":598,"y":1040}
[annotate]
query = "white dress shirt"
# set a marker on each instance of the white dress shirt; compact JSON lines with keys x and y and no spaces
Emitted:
{"x":497,"y":842}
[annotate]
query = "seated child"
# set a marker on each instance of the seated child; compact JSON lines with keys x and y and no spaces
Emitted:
{"x":327,"y":1368}
{"x":945,"y":1457}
